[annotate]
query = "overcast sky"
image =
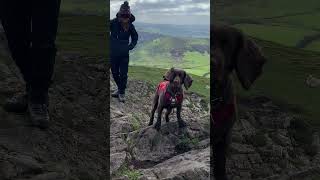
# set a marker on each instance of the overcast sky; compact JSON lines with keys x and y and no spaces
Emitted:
{"x":167,"y":11}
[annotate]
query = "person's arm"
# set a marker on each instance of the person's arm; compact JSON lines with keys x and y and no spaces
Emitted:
{"x":134,"y":37}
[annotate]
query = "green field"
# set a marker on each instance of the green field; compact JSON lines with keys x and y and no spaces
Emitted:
{"x":84,"y":7}
{"x":286,"y":22}
{"x":156,"y":53}
{"x":281,"y":34}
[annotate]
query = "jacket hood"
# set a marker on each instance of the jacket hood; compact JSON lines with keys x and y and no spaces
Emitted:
{"x":132,"y":17}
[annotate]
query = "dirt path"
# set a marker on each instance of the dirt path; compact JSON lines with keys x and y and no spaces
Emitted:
{"x":74,"y":147}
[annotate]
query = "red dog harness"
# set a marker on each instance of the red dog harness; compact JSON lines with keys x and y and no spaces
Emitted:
{"x":222,"y":114}
{"x":170,"y":97}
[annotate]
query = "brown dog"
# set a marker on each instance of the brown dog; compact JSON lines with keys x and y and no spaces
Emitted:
{"x":231,"y":51}
{"x":170,"y":95}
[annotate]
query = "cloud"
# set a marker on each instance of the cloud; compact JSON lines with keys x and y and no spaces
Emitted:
{"x":167,"y":11}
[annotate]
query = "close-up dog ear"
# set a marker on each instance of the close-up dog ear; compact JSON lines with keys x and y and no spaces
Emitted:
{"x":169,"y":74}
{"x":249,"y":62}
{"x":187,"y":81}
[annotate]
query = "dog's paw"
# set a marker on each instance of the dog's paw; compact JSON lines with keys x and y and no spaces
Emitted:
{"x":182,"y":124}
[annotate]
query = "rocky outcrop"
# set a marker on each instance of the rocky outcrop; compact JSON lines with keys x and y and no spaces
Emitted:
{"x":172,"y":153}
{"x":266,"y":143}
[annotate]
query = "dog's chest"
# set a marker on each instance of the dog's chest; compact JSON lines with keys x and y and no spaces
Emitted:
{"x":170,"y":99}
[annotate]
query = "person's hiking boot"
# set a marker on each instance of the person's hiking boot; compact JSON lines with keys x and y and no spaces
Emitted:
{"x":115,"y":94}
{"x":122,"y":97}
{"x":39,"y":114}
{"x":18,"y":104}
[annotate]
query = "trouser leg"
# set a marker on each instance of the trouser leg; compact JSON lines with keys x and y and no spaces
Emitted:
{"x":43,"y":49}
{"x":124,"y":66}
{"x":15,"y":17}
{"x":115,"y":70}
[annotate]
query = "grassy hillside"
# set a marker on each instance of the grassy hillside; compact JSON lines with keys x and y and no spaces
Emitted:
{"x":166,"y":51}
{"x":284,"y":21}
{"x":83,"y":34}
{"x":93,"y":7}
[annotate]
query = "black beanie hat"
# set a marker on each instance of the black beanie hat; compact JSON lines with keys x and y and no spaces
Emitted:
{"x":125,"y":8}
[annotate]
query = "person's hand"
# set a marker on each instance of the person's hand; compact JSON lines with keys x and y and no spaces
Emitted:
{"x":312,"y":81}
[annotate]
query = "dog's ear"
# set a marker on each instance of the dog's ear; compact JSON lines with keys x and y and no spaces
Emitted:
{"x":249,"y":62}
{"x":187,"y":81}
{"x":169,"y":75}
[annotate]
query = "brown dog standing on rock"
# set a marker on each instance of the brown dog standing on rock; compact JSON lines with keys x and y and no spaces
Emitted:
{"x":170,"y":95}
{"x":231,"y":51}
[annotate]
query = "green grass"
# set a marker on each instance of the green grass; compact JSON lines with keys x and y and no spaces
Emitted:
{"x":96,"y":7}
{"x":314,"y":46}
{"x":154,"y":76}
{"x":288,"y":36}
{"x":83,"y":34}
{"x":130,"y":173}
{"x":284,"y":21}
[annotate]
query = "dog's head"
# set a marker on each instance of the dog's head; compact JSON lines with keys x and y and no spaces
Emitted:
{"x":178,"y":77}
{"x":249,"y":62}
{"x":232,"y":50}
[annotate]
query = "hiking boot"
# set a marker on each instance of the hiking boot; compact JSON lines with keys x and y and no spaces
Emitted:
{"x":122,"y":98}
{"x":18,"y":103}
{"x":115,"y":94}
{"x":39,"y":115}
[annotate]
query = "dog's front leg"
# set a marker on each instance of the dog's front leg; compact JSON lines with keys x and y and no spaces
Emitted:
{"x":168,"y":113}
{"x":180,"y":121}
{"x":154,"y":107}
{"x":158,"y":123}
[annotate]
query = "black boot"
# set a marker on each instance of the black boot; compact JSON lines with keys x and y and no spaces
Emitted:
{"x":115,"y":94}
{"x":122,"y":98}
{"x":38,"y":110}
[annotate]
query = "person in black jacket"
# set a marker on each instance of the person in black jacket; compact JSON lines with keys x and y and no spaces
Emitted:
{"x":31,"y":28}
{"x":122,"y":29}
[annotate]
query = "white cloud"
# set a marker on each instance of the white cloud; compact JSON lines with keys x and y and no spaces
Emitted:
{"x":167,"y":11}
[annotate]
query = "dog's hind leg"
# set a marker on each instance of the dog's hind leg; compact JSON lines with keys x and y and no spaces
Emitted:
{"x":167,"y":114}
{"x":180,"y":121}
{"x":154,"y":107}
{"x":158,"y":123}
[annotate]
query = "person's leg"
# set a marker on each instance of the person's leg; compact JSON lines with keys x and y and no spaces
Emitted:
{"x":124,"y":66}
{"x":16,"y":22}
{"x":15,"y":17}
{"x":115,"y":70}
{"x":43,"y":51}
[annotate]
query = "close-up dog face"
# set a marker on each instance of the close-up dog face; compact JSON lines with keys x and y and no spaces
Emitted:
{"x":178,"y":77}
{"x":249,"y":63}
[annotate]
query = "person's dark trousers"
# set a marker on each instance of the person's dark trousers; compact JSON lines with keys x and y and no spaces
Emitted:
{"x":119,"y":69}
{"x":31,"y":28}
{"x":220,"y":139}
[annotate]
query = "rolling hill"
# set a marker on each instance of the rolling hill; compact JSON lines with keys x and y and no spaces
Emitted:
{"x":290,"y":23}
{"x":162,"y":51}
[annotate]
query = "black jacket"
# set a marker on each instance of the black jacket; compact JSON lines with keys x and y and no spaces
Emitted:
{"x":120,"y":39}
